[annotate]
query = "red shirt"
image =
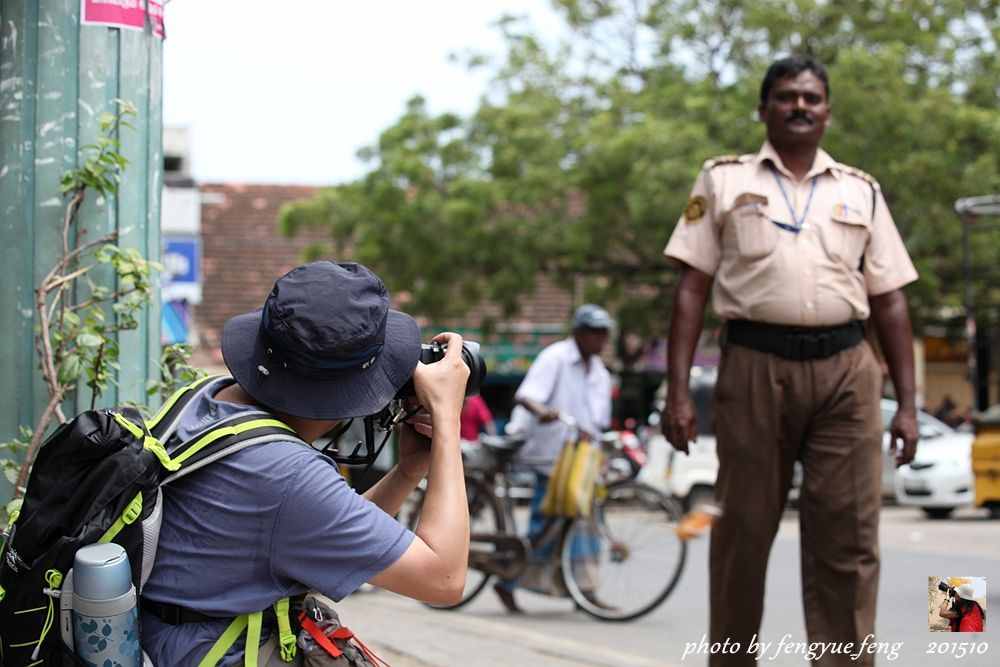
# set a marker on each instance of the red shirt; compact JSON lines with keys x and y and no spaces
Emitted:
{"x":972,"y":621}
{"x":475,"y":416}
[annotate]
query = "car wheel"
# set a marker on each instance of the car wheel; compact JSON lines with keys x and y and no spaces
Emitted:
{"x":938,"y":512}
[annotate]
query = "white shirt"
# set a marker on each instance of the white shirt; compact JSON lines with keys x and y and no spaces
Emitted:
{"x":559,"y":379}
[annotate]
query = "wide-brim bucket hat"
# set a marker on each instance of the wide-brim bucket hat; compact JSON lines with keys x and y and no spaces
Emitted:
{"x":325,"y":345}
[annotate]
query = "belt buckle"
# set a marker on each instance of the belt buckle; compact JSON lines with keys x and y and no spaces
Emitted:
{"x":170,"y":614}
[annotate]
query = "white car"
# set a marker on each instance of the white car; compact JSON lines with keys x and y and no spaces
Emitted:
{"x":939,"y":479}
{"x":688,"y":477}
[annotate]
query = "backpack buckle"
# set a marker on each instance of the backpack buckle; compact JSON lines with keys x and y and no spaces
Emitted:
{"x":133,"y":510}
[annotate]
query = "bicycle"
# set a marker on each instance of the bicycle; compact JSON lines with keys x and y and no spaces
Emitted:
{"x":639,"y":556}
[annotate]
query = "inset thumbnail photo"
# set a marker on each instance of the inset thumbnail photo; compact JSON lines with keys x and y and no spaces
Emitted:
{"x":956,"y":604}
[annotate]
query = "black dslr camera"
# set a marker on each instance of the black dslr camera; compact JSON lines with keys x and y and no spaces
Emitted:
{"x":432,"y":352}
{"x":379,"y":426}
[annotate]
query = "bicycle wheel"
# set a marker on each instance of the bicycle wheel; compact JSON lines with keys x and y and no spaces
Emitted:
{"x":624,"y":560}
{"x":485,"y":516}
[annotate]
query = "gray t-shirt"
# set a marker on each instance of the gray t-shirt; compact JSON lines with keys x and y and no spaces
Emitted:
{"x":269,"y":521}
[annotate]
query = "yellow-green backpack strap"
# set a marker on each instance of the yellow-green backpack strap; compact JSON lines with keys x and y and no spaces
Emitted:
{"x":225,"y":641}
{"x":177,"y":395}
{"x":252,"y":650}
{"x":131,"y":512}
{"x":286,"y":638}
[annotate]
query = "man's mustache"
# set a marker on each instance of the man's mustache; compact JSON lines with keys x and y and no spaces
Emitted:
{"x":799,"y":115}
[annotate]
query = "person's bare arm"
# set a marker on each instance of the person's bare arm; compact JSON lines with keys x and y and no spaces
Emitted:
{"x":944,"y":612}
{"x":433,"y":568}
{"x":678,"y":419}
{"x":543,"y":412}
{"x":392,"y":490}
{"x":891,"y":317}
{"x":415,"y":437}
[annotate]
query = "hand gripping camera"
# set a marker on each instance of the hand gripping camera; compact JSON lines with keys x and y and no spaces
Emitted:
{"x":432,"y":352}
{"x":381,"y":424}
{"x":950,"y":592}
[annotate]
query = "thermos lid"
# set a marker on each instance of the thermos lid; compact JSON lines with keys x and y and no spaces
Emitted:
{"x":101,"y":572}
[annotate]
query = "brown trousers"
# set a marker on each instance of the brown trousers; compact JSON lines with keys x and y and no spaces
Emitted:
{"x":770,"y":412}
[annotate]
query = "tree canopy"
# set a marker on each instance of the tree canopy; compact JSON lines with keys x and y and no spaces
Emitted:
{"x":579,"y":159}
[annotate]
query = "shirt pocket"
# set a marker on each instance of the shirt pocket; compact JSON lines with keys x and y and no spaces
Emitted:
{"x":846,"y":236}
{"x":756,"y":236}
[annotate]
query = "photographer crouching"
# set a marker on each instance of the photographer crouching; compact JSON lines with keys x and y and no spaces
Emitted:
{"x":276,"y":519}
{"x":964,"y":614}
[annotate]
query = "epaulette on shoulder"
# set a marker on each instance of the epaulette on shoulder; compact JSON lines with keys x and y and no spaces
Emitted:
{"x":725,"y":159}
{"x":854,"y":171}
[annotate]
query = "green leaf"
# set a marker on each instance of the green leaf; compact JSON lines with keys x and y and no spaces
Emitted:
{"x":69,"y":369}
{"x":106,"y":253}
{"x":11,"y":474}
{"x":88,"y":339}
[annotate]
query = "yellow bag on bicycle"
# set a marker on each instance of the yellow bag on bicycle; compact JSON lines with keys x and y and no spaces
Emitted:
{"x":557,"y":479}
{"x":571,"y":487}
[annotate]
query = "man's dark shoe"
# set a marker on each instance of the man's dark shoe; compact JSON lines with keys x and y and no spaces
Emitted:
{"x":507,"y":598}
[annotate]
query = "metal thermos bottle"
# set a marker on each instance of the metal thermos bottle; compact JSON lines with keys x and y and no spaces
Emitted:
{"x":105,"y":615}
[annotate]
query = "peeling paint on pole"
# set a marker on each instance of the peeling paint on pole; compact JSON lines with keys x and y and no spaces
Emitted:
{"x":57,"y":77}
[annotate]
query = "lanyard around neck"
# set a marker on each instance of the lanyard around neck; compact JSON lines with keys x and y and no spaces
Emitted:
{"x":798,"y":222}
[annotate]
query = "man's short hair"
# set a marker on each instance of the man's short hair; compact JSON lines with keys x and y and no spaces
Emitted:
{"x":792,"y":66}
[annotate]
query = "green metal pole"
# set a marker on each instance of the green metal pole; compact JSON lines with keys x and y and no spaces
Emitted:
{"x":57,"y":77}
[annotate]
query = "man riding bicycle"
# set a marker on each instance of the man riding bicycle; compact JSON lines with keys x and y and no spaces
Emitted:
{"x":567,"y":378}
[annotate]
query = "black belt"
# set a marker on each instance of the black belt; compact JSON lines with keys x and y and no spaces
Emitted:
{"x":173,"y":614}
{"x":795,"y":343}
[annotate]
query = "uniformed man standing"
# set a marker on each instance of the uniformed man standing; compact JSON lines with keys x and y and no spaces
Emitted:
{"x":802,"y":250}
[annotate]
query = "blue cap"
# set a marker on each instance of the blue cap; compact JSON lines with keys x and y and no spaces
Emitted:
{"x":592,"y":316}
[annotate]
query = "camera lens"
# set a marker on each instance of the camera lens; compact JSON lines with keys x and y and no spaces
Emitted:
{"x":434,"y":352}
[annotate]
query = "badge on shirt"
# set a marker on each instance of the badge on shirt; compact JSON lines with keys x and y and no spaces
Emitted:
{"x":843,"y":212}
{"x":695,"y":209}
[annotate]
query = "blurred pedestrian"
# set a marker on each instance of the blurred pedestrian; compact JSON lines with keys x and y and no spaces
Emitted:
{"x":568,"y":377}
{"x":476,"y":418}
{"x":802,"y":250}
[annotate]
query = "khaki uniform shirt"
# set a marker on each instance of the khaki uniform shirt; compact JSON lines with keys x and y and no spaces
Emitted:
{"x":736,"y":228}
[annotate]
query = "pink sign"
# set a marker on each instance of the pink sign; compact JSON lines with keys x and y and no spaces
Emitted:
{"x":129,"y":14}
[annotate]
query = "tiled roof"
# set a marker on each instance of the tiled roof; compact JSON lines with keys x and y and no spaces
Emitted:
{"x":243,"y":253}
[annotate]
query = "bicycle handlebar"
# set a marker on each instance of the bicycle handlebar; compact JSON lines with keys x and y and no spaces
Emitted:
{"x":572,"y":423}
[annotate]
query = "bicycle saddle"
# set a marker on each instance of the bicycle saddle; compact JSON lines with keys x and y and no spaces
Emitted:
{"x":501,"y":444}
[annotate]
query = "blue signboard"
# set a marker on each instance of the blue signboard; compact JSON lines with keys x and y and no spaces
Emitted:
{"x":182,"y":269}
{"x":181,"y":260}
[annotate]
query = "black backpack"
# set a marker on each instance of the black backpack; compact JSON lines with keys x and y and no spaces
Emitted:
{"x":97,"y":479}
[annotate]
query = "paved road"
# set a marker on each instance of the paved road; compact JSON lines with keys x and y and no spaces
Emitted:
{"x":913,"y":548}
